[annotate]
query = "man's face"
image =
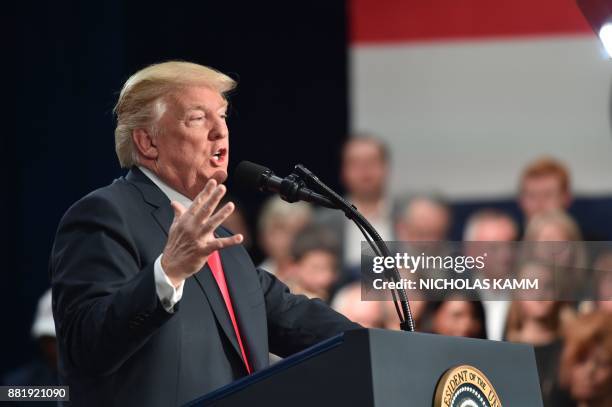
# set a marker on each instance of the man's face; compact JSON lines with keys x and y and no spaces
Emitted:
{"x":363,"y":170}
{"x":423,"y":221}
{"x":193,"y":143}
{"x":494,"y":237}
{"x":542,"y":194}
{"x":495,"y":230}
{"x":366,"y":313}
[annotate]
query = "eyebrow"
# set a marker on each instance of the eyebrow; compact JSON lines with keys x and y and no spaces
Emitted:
{"x":203,"y":108}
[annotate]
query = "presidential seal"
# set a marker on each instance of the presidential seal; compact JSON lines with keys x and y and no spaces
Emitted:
{"x":465,"y":386}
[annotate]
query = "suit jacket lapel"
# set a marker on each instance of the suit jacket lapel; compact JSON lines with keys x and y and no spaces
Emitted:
{"x":207,"y":283}
{"x":163,"y":215}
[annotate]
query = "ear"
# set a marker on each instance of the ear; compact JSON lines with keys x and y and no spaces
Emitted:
{"x":144,"y":144}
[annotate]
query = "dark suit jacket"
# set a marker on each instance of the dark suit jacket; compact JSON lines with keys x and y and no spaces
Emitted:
{"x":119,"y":346}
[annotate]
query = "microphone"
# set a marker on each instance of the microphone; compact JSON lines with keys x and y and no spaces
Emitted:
{"x":251,"y":176}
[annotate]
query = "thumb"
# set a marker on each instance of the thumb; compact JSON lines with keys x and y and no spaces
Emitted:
{"x":178,"y":208}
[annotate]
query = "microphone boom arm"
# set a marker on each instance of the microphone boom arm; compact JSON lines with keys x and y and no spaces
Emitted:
{"x":378,"y":244}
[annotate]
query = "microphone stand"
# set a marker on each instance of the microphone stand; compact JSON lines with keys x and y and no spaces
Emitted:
{"x":376,"y":242}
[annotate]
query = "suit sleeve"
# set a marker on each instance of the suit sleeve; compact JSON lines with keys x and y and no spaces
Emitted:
{"x":296,"y":322}
{"x":104,"y":299}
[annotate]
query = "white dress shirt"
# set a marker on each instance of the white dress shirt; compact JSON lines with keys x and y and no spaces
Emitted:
{"x":167,"y":293}
{"x":496,"y":315}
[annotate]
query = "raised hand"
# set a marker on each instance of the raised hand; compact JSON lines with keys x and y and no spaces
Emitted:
{"x":191,"y":239}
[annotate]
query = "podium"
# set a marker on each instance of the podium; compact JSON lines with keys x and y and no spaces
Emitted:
{"x":381,"y":368}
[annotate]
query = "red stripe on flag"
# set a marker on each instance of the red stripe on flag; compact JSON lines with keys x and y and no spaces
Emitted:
{"x":374,"y":21}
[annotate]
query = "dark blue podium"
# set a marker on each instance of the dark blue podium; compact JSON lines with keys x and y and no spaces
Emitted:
{"x":374,"y":367}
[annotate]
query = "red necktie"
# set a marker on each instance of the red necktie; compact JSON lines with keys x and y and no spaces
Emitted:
{"x":214,"y":262}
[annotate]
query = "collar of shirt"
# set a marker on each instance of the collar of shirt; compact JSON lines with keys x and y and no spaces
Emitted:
{"x":171,"y":193}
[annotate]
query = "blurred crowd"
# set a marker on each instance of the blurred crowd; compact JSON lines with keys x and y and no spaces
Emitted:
{"x":317,"y":252}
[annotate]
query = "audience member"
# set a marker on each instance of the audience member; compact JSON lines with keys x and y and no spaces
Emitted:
{"x":490,"y":225}
{"x":552,"y":226}
{"x":586,"y":364}
{"x":458,"y":317}
{"x":495,"y":229}
{"x":555,"y":237}
{"x":364,"y":173}
{"x":423,"y":219}
{"x":537,"y":321}
{"x":314,"y":263}
{"x":421,"y":227}
{"x":370,"y":314}
{"x":544,"y":186}
{"x":42,"y":371}
{"x":279,"y":221}
{"x":602,"y":283}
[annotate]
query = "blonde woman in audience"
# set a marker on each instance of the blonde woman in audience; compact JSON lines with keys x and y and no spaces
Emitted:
{"x":536,"y":320}
{"x":556,"y":226}
{"x":278,"y":223}
{"x":586,"y":366}
{"x":555,"y":238}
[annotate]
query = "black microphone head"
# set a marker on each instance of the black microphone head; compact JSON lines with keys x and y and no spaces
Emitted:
{"x":250,"y":176}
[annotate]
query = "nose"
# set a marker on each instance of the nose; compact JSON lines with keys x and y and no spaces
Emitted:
{"x":219,"y":129}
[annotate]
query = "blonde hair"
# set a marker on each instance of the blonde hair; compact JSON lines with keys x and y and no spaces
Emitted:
{"x":556,"y":217}
{"x":275,"y":210}
{"x":141,"y":102}
{"x":575,"y":275}
{"x":516,"y":320}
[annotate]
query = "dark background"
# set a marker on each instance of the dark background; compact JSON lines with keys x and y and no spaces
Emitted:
{"x":72,"y":59}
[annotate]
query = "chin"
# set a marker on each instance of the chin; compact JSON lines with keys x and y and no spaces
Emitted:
{"x":220,"y":175}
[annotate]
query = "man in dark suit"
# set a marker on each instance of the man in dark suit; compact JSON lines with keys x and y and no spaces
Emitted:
{"x":154,"y":302}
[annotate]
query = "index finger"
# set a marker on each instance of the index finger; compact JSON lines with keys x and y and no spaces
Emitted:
{"x":203,"y":196}
{"x":209,"y":206}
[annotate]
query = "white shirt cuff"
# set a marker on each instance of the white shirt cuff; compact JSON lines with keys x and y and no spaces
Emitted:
{"x":167,"y":293}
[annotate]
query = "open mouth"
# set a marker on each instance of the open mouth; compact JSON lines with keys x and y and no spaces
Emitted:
{"x":219,"y":156}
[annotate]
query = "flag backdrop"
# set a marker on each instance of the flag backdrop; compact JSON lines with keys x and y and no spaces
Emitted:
{"x":466,"y":92}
